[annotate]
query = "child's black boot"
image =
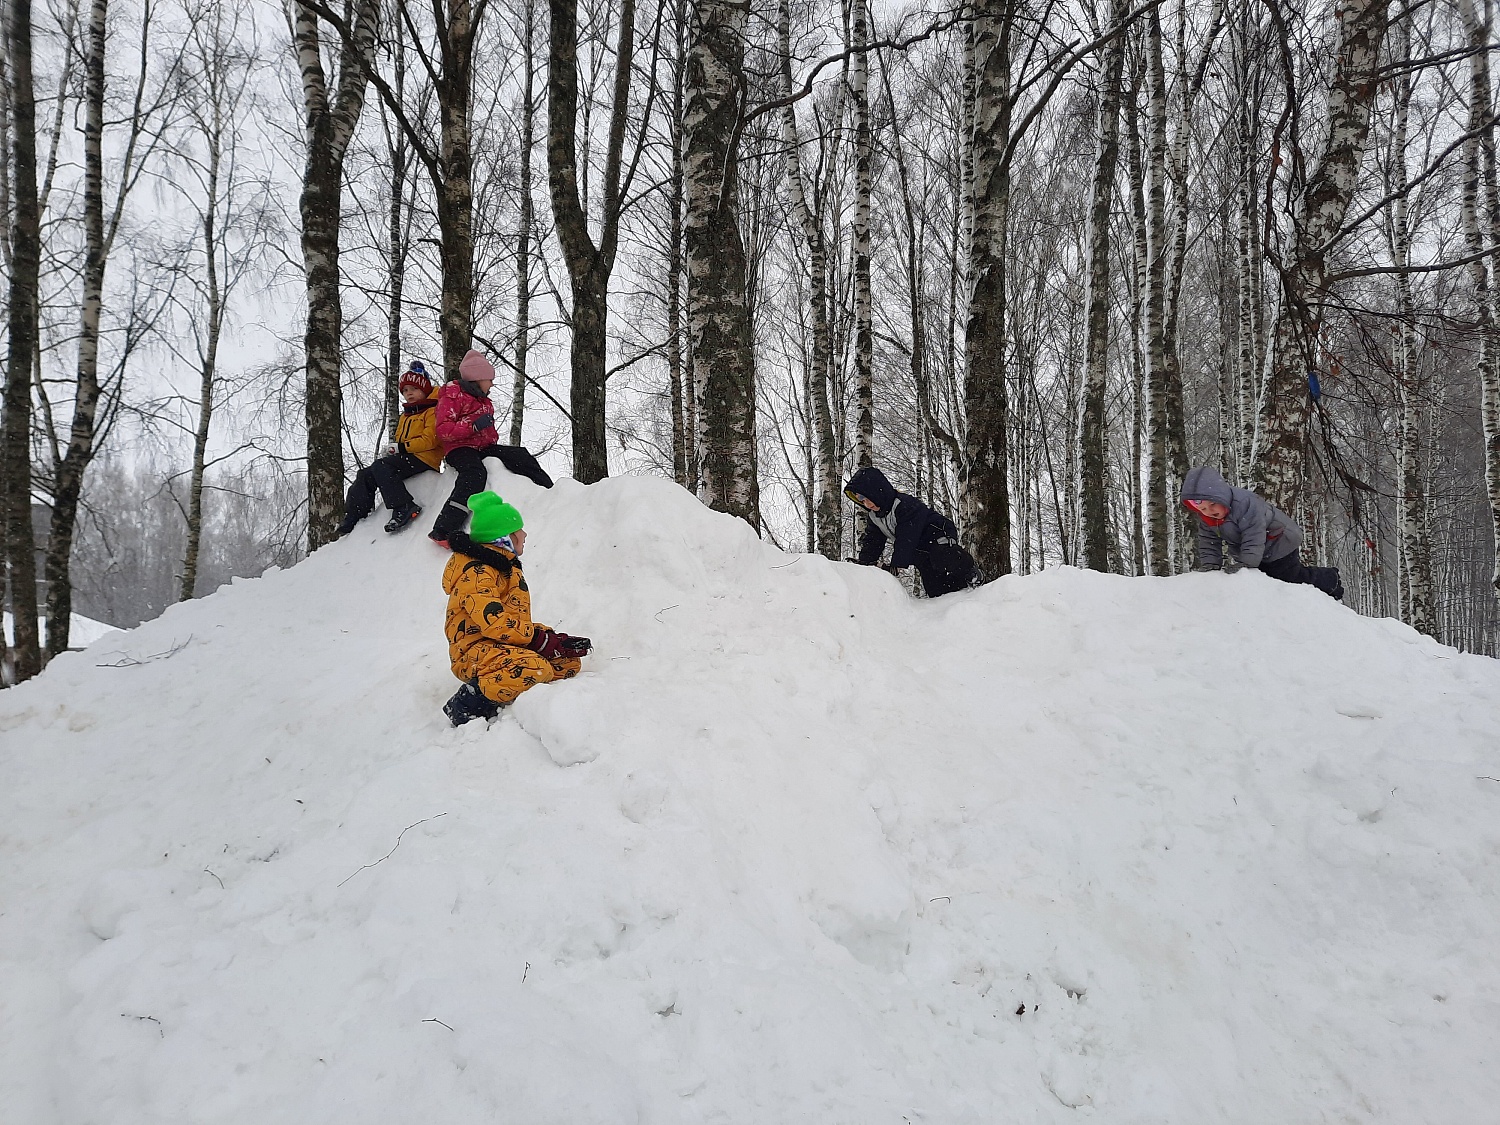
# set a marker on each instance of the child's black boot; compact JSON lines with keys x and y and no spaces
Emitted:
{"x":469,"y":702}
{"x":402,"y":516}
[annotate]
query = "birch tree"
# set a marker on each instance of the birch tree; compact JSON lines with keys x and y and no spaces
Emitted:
{"x":144,"y":122}
{"x":1093,"y":436}
{"x":1322,"y":203}
{"x":226,"y":195}
{"x":1418,"y":608}
{"x":329,"y":123}
{"x":986,"y":484}
{"x":825,"y":482}
{"x":524,"y":224}
{"x":719,"y":327}
{"x":589,"y":265}
{"x":864,"y":312}
{"x":25,"y":267}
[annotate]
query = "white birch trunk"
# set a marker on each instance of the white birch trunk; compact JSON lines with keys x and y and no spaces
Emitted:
{"x":825,"y":477}
{"x":1158,"y":502}
{"x":1417,"y":601}
{"x":1093,"y":438}
{"x":1281,"y":441}
{"x":719,"y":326}
{"x":1479,"y":176}
{"x":864,"y":339}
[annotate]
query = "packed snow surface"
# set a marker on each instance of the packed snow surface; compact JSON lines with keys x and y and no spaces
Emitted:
{"x":794,"y":848}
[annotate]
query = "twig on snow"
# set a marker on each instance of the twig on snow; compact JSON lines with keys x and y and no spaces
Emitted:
{"x":524,"y":971}
{"x":663,"y":610}
{"x":394,"y":846}
{"x":153,"y":1019}
{"x":132,"y":662}
{"x":216,"y":879}
{"x":1482,"y":777}
{"x":430,"y":1020}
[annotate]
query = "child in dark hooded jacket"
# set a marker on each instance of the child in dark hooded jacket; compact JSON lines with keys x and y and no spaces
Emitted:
{"x":918,"y":535}
{"x":1254,"y":532}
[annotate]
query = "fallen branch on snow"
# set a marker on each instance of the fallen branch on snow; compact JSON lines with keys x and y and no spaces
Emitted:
{"x":132,"y":662}
{"x":396,"y":845}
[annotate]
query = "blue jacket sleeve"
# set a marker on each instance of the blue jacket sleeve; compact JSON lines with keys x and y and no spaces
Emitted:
{"x":872,"y":544}
{"x":1253,"y":532}
{"x":908,"y":538}
{"x":1210,"y":548}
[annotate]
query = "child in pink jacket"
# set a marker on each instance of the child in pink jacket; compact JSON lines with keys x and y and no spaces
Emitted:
{"x":466,"y":427}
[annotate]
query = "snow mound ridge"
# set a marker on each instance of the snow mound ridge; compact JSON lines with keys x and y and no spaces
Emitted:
{"x":794,"y":848}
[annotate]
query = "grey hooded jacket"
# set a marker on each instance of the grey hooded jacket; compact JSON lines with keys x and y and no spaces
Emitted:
{"x":1254,"y":531}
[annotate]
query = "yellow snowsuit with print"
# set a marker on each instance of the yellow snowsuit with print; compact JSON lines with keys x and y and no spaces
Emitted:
{"x":489,"y":625}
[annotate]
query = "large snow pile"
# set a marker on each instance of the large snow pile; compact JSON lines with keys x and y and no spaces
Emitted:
{"x":794,"y":848}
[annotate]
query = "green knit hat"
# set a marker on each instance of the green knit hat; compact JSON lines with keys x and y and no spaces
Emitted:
{"x":493,"y":518}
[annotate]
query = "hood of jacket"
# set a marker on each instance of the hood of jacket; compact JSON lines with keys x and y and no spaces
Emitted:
{"x":483,"y":554}
{"x":871,"y":484}
{"x":468,"y":387}
{"x":1205,"y":483}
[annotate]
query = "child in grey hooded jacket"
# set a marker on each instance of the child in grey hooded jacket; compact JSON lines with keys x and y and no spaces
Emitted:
{"x":1255,"y":533}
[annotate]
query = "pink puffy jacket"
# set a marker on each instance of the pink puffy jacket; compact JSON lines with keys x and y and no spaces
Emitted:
{"x":457,"y":411}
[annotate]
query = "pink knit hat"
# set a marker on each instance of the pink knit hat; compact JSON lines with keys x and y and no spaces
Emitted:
{"x":474,"y":368}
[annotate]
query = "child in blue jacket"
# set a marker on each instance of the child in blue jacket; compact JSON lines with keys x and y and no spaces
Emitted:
{"x":1253,"y":532}
{"x":918,"y":535}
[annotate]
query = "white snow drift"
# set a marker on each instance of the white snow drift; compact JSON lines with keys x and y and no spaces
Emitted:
{"x":793,"y":848}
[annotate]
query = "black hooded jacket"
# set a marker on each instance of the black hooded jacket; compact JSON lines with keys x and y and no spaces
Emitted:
{"x":910,"y":523}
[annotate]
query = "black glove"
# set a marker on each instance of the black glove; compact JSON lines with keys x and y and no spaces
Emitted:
{"x":484,"y":422}
{"x":575,"y":646}
{"x":545,"y":643}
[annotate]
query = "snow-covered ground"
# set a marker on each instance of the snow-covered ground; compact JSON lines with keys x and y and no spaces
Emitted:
{"x":82,"y":631}
{"x":794,"y":848}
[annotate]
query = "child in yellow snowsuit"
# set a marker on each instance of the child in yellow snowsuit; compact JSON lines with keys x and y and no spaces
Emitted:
{"x":493,"y":644}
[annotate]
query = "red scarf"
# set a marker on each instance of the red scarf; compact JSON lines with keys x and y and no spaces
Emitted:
{"x":1212,"y":521}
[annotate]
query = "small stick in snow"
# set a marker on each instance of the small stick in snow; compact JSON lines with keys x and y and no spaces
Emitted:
{"x":1482,"y":777}
{"x":165,"y":654}
{"x":153,"y":1019}
{"x":524,"y":971}
{"x":436,"y":1021}
{"x":132,"y":662}
{"x":396,"y":845}
{"x":216,"y":879}
{"x":663,"y":610}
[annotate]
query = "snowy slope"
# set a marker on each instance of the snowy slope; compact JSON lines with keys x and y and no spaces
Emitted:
{"x":793,"y":849}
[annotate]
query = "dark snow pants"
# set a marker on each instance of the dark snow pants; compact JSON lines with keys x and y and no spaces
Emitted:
{"x":472,"y":477}
{"x":944,"y":567}
{"x":388,"y":474}
{"x":1289,"y":568}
